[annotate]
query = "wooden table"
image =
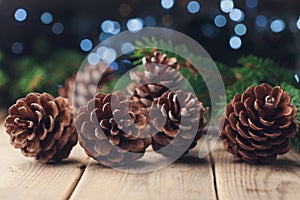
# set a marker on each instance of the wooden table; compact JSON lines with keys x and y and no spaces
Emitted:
{"x":217,"y":176}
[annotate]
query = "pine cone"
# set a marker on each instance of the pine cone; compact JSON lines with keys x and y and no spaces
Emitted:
{"x":161,"y":74}
{"x":88,"y":82}
{"x":113,"y":129}
{"x":259,"y":123}
{"x":42,"y":127}
{"x":179,"y":119}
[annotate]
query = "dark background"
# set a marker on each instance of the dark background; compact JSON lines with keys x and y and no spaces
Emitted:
{"x":82,"y":19}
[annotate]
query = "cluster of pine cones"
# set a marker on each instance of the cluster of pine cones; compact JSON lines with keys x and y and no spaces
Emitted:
{"x":116,"y":129}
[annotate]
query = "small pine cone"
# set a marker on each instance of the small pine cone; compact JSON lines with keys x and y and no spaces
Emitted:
{"x":258,"y":124}
{"x":179,"y":119}
{"x":113,"y":129}
{"x":88,"y":81}
{"x":162,"y":59}
{"x":42,"y":127}
{"x":161,"y":74}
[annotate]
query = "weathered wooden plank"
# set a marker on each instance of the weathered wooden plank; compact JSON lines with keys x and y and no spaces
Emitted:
{"x":188,"y":178}
{"x":238,"y":180}
{"x":23,"y":178}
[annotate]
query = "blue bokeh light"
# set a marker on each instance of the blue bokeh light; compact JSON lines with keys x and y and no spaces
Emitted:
{"x":167,"y":4}
{"x":277,"y":25}
{"x":209,"y":31}
{"x":103,"y":36}
{"x":86,"y":45}
{"x":135,"y":24}
{"x":220,"y":21}
{"x":236,"y":15}
{"x":226,"y":5}
{"x":58,"y":28}
{"x":193,"y":7}
{"x":17,"y":48}
{"x":20,"y":15}
{"x":261,"y":21}
{"x":235,"y":42}
{"x":46,"y":18}
{"x":240,"y":29}
{"x":251,"y":3}
{"x":150,"y":21}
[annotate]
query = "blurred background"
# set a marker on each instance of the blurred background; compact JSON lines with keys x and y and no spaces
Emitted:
{"x":43,"y":42}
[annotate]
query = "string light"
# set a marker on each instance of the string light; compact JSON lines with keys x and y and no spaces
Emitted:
{"x":240,"y":29}
{"x":226,"y":5}
{"x":46,"y":18}
{"x":135,"y":24}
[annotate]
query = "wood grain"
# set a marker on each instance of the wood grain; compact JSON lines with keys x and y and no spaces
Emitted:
{"x":238,"y":180}
{"x":188,"y":178}
{"x":23,"y":178}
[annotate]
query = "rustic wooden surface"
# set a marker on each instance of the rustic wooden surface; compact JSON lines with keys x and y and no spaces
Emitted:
{"x":217,"y":176}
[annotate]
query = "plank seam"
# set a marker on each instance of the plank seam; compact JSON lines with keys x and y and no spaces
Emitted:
{"x":74,"y":186}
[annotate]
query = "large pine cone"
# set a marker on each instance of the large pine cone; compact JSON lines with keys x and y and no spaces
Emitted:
{"x":179,"y":119}
{"x":89,"y":80}
{"x":113,"y":129}
{"x":42,"y":127}
{"x":161,"y":74}
{"x":259,"y":123}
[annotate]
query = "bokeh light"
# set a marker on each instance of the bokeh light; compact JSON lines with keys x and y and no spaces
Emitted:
{"x":226,"y":5}
{"x":220,"y":21}
{"x":20,"y":15}
{"x":135,"y":24}
{"x":193,"y":7}
{"x":112,"y":27}
{"x":93,"y":58}
{"x":240,"y":29}
{"x":150,"y":21}
{"x":251,"y":3}
{"x":108,"y":55}
{"x":209,"y":31}
{"x":261,"y":21}
{"x":167,"y":4}
{"x":125,"y":9}
{"x":235,"y":42}
{"x":298,"y":23}
{"x":58,"y":28}
{"x":127,"y":48}
{"x":277,"y":25}
{"x":46,"y":18}
{"x":17,"y":48}
{"x":236,"y":15}
{"x":167,"y":20}
{"x":103,"y":36}
{"x":114,"y":66}
{"x":86,"y":45}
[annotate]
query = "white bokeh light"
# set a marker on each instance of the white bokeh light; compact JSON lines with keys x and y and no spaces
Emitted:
{"x":93,"y":58}
{"x":235,"y":42}
{"x":236,"y":15}
{"x":167,"y":4}
{"x":298,"y":23}
{"x":112,"y":27}
{"x":127,"y":47}
{"x":277,"y":25}
{"x":226,"y":5}
{"x":20,"y":15}
{"x":135,"y":24}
